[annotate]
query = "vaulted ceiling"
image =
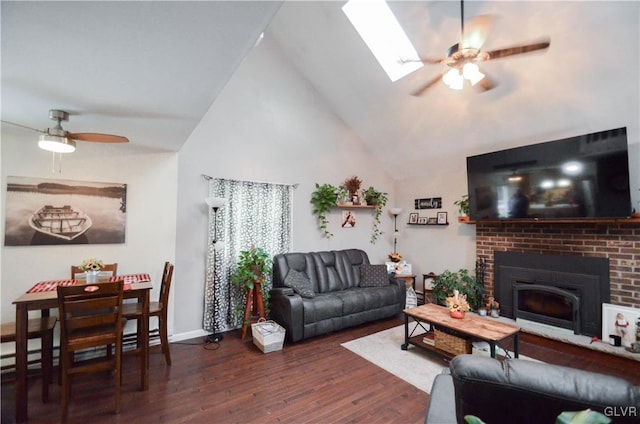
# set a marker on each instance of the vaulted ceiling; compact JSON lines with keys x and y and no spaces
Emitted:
{"x":150,"y":70}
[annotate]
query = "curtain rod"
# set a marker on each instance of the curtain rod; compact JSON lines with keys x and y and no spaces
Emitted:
{"x":207,"y":177}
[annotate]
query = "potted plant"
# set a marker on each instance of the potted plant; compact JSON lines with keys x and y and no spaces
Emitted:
{"x":463,"y":208}
{"x":379,"y":199}
{"x":374,"y":197}
{"x":353,"y":186}
{"x":448,"y":282}
{"x":323,"y":199}
{"x":252,"y":266}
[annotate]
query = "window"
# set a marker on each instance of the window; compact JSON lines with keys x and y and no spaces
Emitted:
{"x":382,"y":33}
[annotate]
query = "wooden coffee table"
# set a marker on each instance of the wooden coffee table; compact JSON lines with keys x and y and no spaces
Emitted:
{"x":471,"y":327}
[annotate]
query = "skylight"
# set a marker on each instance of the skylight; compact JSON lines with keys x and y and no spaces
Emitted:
{"x":384,"y":36}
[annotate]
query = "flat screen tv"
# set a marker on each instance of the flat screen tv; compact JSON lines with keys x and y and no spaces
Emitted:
{"x":582,"y":177}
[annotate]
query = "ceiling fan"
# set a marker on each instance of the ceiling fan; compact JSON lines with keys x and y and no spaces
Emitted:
{"x":59,"y":140}
{"x":463,"y":57}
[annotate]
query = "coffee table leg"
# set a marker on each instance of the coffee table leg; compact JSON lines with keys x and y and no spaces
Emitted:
{"x":492,"y":349}
{"x":516,"y":339}
{"x":406,"y":333}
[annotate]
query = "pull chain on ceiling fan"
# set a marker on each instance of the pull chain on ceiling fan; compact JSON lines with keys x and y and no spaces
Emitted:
{"x":463,"y":57}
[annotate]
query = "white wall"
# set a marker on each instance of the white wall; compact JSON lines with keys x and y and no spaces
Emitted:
{"x":151,"y":179}
{"x":436,"y":248}
{"x":269,"y":125}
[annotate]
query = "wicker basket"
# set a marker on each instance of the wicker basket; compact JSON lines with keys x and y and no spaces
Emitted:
{"x":268,"y":335}
{"x":451,"y":344}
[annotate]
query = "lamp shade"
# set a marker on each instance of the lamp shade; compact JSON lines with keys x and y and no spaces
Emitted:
{"x":215,"y":202}
{"x":395,"y":211}
{"x":57,"y":144}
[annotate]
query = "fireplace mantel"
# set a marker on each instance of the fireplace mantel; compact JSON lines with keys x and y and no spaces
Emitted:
{"x":625,"y":221}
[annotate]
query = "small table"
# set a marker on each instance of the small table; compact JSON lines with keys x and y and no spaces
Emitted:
{"x":471,"y":327}
{"x":409,"y":279}
{"x":46,"y":300}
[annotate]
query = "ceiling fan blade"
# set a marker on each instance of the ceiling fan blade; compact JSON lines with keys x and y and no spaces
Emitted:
{"x":476,"y":31}
{"x":23,"y":126}
{"x":524,"y":48}
{"x":432,"y":60}
{"x":98,"y":138}
{"x":420,"y":91}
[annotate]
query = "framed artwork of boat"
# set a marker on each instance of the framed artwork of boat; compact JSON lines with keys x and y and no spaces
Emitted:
{"x":42,"y":211}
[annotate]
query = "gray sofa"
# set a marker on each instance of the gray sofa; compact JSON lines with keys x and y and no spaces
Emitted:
{"x":317,"y":293}
{"x":522,"y":391}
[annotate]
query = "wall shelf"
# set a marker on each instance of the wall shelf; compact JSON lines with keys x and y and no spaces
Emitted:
{"x":428,"y":225}
{"x":357,"y":206}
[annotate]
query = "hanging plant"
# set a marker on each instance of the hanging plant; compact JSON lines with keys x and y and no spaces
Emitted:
{"x":378,"y":199}
{"x":323,"y":199}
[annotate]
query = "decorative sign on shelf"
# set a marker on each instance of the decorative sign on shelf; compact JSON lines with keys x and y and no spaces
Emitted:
{"x":429,"y":203}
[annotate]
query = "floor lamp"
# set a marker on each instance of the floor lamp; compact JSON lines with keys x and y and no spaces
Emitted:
{"x":215,"y":203}
{"x":395,"y":212}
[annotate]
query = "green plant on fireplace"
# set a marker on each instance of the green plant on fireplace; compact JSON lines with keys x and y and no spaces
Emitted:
{"x":463,"y":205}
{"x":323,"y":199}
{"x":445,"y":284}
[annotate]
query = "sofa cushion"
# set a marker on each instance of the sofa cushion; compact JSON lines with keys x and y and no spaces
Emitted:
{"x":374,"y":275}
{"x":300,"y":283}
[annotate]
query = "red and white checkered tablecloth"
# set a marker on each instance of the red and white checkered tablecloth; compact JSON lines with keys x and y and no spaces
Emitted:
{"x":131,"y":278}
{"x":45,"y":286}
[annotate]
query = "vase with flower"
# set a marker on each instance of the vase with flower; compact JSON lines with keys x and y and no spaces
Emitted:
{"x":395,"y":257}
{"x":457,"y":305}
{"x":92,"y":268}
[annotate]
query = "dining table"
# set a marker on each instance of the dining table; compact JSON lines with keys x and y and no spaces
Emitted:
{"x":43,"y":297}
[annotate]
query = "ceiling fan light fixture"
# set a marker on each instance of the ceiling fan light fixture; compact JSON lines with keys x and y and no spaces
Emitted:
{"x":471,"y":71}
{"x":57,"y":144}
{"x":453,"y":79}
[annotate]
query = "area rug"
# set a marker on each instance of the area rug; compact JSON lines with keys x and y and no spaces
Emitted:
{"x":415,"y":366}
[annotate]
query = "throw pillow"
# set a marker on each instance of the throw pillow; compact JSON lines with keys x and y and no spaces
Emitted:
{"x":373,"y":275}
{"x":300,"y":283}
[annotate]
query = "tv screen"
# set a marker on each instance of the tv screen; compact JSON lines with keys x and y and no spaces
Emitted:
{"x":578,"y":177}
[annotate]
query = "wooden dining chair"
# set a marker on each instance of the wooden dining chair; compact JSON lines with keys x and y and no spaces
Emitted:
{"x":90,"y":316}
{"x":157,"y":309}
{"x":41,"y":328}
{"x":76,"y":271}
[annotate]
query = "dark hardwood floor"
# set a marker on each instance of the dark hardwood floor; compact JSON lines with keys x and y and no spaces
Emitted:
{"x":314,"y":381}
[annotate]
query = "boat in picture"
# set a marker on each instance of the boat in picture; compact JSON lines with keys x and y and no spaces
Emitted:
{"x":63,"y":222}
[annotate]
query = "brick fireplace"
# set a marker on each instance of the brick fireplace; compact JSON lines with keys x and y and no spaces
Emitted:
{"x":618,"y":242}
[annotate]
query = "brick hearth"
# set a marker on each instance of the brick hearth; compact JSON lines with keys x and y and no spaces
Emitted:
{"x":620,"y":243}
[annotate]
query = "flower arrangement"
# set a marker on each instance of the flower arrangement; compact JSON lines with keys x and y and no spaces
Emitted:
{"x":92,"y":265}
{"x":457,"y":302}
{"x":395,"y":257}
{"x":352,"y":185}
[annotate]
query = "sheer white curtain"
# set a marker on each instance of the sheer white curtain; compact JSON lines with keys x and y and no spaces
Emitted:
{"x":254,"y":214}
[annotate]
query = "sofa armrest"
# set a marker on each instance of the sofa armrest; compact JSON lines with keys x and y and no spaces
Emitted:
{"x":282,"y":291}
{"x":398,"y":282}
{"x":441,"y":408}
{"x":287,"y":310}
